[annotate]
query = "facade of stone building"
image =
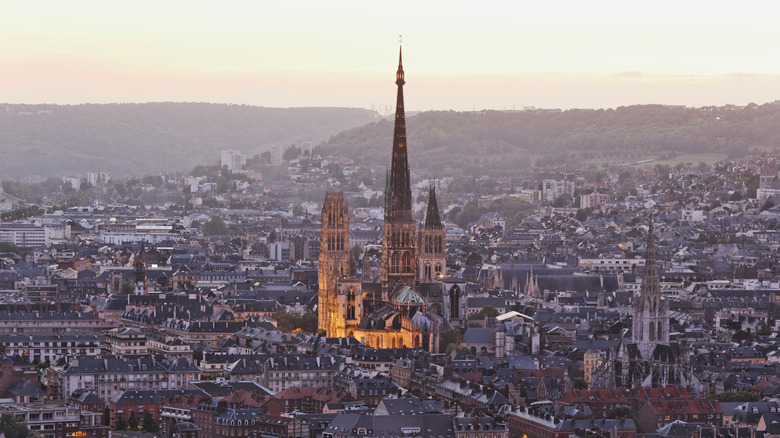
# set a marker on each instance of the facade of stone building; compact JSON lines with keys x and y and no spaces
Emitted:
{"x":409,"y":306}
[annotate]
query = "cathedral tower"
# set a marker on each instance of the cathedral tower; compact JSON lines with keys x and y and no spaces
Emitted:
{"x":431,"y":240}
{"x":334,"y":262}
{"x":651,"y":313}
{"x":399,"y":237}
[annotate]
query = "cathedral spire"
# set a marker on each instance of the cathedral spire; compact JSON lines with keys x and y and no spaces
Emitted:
{"x":432,"y":220}
{"x":650,"y":281}
{"x":400,"y":204}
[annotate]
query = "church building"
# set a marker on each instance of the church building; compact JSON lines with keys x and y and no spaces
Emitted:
{"x":412,"y":302}
{"x":648,"y":359}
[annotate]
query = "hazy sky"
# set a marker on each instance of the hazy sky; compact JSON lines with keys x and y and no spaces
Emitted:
{"x":460,"y":55}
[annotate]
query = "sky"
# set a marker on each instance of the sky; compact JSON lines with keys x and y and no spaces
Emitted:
{"x":459,"y":55}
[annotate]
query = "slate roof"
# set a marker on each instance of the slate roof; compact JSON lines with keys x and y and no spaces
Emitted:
{"x":221,"y":390}
{"x":478,"y":335}
{"x":391,"y":426}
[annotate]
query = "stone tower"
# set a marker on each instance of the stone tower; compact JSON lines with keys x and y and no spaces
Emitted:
{"x":651,"y":313}
{"x":334,"y":262}
{"x":433,"y":255}
{"x":399,"y":237}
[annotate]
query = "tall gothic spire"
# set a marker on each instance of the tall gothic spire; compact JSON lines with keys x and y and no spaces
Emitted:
{"x":400,"y":187}
{"x":650,"y":281}
{"x":432,"y":220}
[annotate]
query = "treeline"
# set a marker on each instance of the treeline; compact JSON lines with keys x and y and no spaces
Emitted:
{"x":152,"y":138}
{"x":499,"y":142}
{"x":514,"y":210}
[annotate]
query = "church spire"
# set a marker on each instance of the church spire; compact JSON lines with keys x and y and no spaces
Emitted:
{"x":432,"y":220}
{"x":650,"y":281}
{"x":400,"y":204}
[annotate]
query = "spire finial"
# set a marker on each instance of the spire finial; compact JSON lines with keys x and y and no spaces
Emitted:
{"x":399,"y":75}
{"x":400,"y":49}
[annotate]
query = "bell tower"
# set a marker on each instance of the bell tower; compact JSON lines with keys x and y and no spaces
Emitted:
{"x":334,"y":262}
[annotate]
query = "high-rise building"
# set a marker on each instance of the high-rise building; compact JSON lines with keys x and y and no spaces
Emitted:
{"x":233,"y":160}
{"x":277,"y":155}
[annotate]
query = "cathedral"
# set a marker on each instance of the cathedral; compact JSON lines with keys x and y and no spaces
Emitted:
{"x":411,"y":302}
{"x":648,"y":359}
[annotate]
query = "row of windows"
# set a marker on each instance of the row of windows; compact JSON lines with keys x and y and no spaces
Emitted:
{"x":401,"y":264}
{"x":335,"y":243}
{"x":433,"y":244}
{"x":401,"y":238}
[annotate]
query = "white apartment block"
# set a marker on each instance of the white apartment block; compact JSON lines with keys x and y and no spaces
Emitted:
{"x":593,"y":200}
{"x":552,"y":189}
{"x":233,"y":160}
{"x":28,"y":235}
{"x":51,"y":347}
{"x":277,"y":152}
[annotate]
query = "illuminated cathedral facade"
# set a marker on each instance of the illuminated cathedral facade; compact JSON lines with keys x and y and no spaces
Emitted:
{"x":411,"y":303}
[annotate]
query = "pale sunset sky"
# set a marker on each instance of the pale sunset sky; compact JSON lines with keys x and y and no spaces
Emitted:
{"x":460,"y":55}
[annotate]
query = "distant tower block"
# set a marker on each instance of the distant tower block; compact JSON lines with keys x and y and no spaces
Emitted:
{"x":307,"y":149}
{"x":277,"y":151}
{"x":233,"y":160}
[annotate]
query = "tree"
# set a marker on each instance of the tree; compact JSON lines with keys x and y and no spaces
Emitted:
{"x":450,"y":338}
{"x":291,"y":153}
{"x":582,"y":214}
{"x":153,"y":180}
{"x":579,"y":383}
{"x":486,"y":312}
{"x":489,"y":312}
{"x":128,"y":289}
{"x":562,"y":201}
{"x":120,"y":424}
{"x":132,"y":422}
{"x":309,"y":323}
{"x":626,"y":412}
{"x":197,"y":354}
{"x":288,"y":323}
{"x":10,"y":247}
{"x":265,"y":157}
{"x":67,"y":187}
{"x":148,"y":424}
{"x":738,"y":396}
{"x":215,"y":227}
{"x":357,"y":250}
{"x":12,"y":427}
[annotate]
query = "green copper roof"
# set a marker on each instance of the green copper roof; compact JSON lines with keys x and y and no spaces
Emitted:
{"x":407,"y":295}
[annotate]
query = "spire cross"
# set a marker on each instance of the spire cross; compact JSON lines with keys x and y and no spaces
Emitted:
{"x":400,"y":39}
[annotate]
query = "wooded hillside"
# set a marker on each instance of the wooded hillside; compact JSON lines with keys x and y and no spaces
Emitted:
{"x":500,"y":142}
{"x":151,"y":138}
